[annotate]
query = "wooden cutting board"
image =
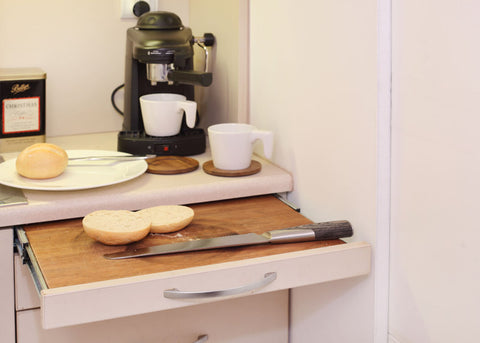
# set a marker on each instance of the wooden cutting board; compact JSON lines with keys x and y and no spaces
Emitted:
{"x":67,"y":256}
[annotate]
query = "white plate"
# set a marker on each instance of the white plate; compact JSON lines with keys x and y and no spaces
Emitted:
{"x":78,"y":174}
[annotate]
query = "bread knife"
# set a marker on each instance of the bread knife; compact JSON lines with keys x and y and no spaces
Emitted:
{"x":309,"y":232}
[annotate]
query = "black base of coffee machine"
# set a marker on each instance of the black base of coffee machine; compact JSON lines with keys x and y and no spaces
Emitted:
{"x":186,"y":143}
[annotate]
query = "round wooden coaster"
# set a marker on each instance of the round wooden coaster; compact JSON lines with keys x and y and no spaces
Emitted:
{"x":171,"y":165}
{"x":254,"y":168}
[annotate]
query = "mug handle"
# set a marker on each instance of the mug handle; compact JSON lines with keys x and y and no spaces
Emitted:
{"x":190,"y":108}
{"x":267,"y":139}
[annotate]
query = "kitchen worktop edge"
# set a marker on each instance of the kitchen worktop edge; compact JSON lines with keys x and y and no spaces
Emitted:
{"x":142,"y":192}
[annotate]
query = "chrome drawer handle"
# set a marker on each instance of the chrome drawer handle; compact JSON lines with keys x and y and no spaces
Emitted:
{"x":176,"y":294}
{"x":201,"y":339}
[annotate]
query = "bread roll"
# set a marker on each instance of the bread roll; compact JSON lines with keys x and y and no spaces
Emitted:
{"x":169,"y":218}
{"x":116,"y":227}
{"x":41,"y":161}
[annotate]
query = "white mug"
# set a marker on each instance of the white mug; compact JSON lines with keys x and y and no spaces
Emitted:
{"x":231,"y":144}
{"x":162,"y":113}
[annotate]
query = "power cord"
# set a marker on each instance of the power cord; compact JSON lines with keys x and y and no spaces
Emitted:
{"x":112,"y":98}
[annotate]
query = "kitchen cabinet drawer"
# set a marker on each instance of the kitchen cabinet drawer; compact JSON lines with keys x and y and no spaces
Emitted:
{"x":257,"y":319}
{"x":78,"y":285}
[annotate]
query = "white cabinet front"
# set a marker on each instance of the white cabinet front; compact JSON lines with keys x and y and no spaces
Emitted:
{"x":260,"y":318}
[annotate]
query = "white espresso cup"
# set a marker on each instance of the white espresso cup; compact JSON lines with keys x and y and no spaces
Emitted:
{"x":231,"y":144}
{"x":162,"y":113}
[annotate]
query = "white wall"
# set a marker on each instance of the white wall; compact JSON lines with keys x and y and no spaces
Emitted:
{"x":314,"y":83}
{"x":226,"y":100}
{"x":435,"y":274}
{"x":81,"y":46}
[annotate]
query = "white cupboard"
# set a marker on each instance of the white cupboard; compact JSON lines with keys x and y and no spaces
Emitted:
{"x":255,"y":319}
{"x":7,"y":300}
{"x":313,"y":81}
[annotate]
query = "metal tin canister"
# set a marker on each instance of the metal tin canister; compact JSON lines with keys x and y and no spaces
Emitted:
{"x":22,"y":100}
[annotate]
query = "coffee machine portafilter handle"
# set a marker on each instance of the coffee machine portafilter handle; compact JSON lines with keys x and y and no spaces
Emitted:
{"x":190,"y":77}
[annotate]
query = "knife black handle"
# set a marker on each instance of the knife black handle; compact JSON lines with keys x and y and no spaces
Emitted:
{"x":311,"y":232}
{"x":329,"y":230}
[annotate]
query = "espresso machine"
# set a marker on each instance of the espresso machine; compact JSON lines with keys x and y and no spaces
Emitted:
{"x":159,"y":59}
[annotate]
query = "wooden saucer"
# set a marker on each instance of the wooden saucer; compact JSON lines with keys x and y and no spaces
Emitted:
{"x":171,"y":165}
{"x":254,"y":168}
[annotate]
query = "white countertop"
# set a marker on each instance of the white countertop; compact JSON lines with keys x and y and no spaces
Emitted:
{"x":144,"y":191}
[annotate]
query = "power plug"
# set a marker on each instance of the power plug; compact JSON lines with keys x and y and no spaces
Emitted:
{"x":132,"y":9}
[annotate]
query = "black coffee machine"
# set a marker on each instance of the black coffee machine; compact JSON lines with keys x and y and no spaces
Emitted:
{"x":159,"y":59}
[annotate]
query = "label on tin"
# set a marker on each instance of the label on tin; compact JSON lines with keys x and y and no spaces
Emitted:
{"x":21,"y":115}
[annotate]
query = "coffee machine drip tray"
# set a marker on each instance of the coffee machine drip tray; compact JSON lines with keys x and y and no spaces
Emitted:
{"x":186,"y":143}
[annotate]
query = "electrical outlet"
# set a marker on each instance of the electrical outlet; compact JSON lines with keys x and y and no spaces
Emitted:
{"x":127,"y":8}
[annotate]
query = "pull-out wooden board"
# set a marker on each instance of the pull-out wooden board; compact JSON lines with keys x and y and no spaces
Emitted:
{"x":82,"y":286}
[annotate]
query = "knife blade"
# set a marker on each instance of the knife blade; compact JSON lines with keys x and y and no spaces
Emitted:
{"x":10,"y":196}
{"x":309,"y":232}
{"x":112,"y":158}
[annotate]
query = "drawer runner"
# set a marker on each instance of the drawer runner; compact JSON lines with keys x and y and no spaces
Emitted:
{"x":28,"y":257}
